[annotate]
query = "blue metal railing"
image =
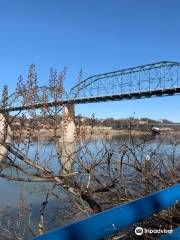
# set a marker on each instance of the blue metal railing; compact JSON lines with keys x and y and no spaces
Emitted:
{"x":111,"y":221}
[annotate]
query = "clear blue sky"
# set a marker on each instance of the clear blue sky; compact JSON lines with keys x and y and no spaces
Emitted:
{"x":97,"y":35}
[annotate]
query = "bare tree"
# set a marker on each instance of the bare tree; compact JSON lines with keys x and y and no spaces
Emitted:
{"x":95,"y":173}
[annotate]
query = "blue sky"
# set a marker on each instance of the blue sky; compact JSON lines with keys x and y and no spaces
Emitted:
{"x":97,"y":35}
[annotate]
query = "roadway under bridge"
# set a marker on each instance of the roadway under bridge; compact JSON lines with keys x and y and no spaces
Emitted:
{"x":152,"y":80}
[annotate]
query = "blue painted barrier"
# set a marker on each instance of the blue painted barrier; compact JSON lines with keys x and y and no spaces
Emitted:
{"x":111,"y":221}
{"x":175,"y":235}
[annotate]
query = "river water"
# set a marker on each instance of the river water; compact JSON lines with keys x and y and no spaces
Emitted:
{"x":35,"y":193}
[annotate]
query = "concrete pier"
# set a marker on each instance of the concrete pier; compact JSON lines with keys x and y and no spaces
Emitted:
{"x":4,"y":138}
{"x":66,"y":144}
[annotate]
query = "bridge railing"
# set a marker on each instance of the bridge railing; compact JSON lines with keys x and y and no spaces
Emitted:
{"x":112,"y":221}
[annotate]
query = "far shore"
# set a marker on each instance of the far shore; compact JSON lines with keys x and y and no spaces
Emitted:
{"x":96,"y":132}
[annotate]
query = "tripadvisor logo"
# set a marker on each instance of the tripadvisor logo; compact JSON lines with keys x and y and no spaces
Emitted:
{"x":139,"y":231}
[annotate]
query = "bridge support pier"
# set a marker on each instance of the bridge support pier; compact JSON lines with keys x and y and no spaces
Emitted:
{"x":4,"y":138}
{"x":66,"y":143}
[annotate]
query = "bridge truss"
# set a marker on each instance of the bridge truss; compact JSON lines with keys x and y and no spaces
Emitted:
{"x":143,"y":81}
{"x":158,"y":79}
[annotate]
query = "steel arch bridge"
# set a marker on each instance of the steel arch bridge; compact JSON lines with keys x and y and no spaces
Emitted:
{"x":157,"y":79}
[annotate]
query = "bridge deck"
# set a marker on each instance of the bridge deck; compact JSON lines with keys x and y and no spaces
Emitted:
{"x":130,"y":96}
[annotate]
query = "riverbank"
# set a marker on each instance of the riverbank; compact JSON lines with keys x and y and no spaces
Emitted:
{"x":50,"y":134}
{"x":95,"y":132}
{"x":109,"y":132}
